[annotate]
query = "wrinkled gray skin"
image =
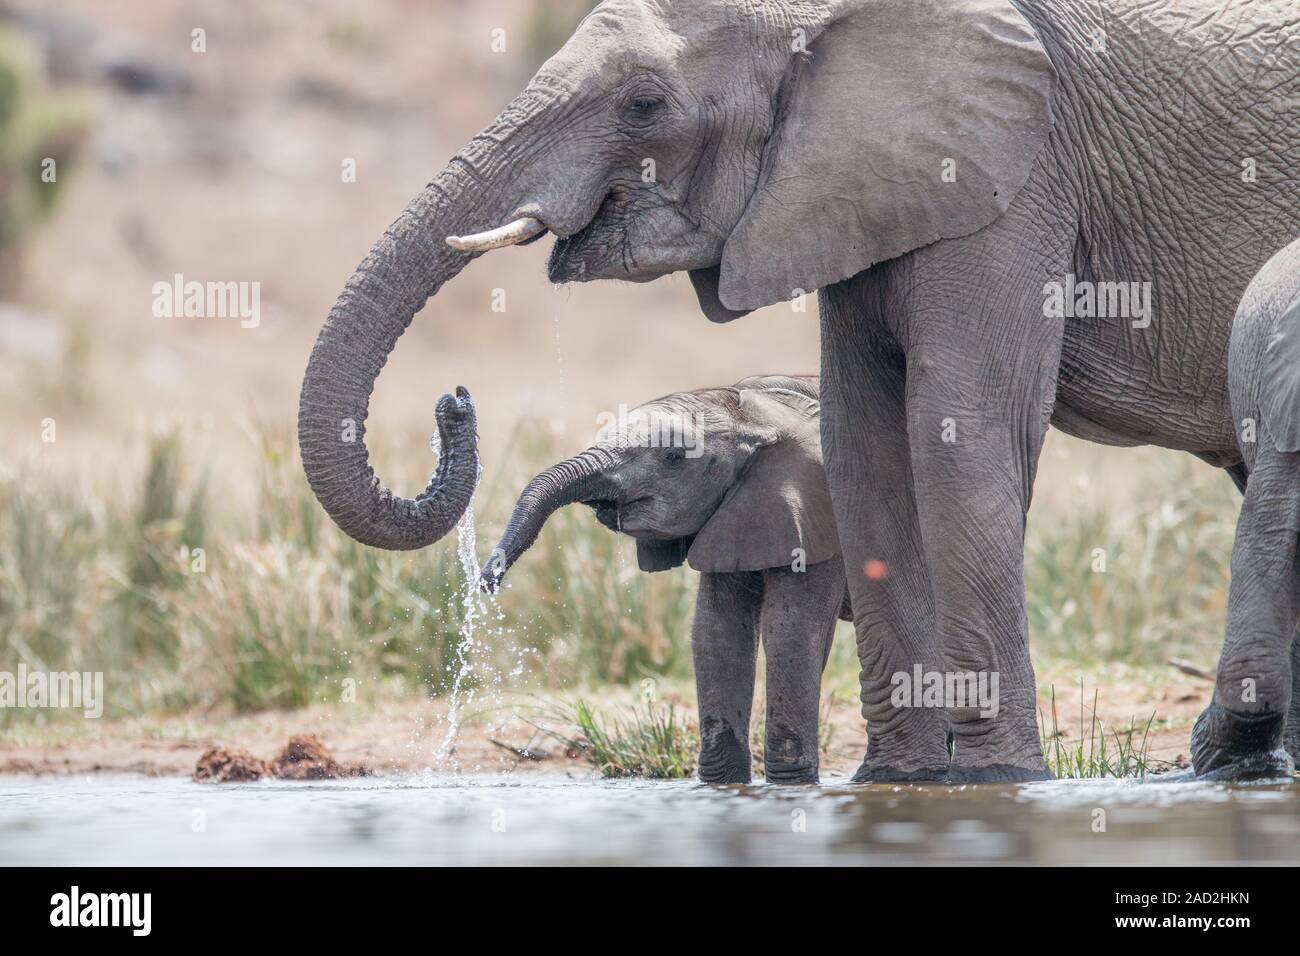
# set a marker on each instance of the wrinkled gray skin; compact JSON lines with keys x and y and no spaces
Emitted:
{"x":1231,"y":738}
{"x":805,"y":145}
{"x":742,"y":496}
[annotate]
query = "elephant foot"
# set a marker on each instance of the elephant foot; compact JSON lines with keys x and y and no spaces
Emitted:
{"x":1006,"y":749}
{"x":873,"y":771}
{"x":724,"y":758}
{"x":788,"y":757}
{"x":997,"y":773}
{"x":912,"y":750}
{"x":1229,"y":746}
{"x":724,"y":773}
{"x":1277,"y":765}
{"x":789,"y":776}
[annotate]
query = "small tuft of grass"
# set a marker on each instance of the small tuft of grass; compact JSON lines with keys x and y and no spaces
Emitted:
{"x":1090,"y":755}
{"x":651,"y":743}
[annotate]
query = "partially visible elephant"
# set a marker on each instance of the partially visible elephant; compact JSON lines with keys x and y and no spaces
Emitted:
{"x":1242,"y":732}
{"x":729,"y":480}
{"x":1016,"y":211}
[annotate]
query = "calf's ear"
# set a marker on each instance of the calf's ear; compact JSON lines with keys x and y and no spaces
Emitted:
{"x":662,"y":555}
{"x":779,"y":510}
{"x":705,"y":282}
{"x":1279,"y":396}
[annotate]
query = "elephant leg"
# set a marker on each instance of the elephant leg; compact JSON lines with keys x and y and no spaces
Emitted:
{"x":868,"y":468}
{"x":800,"y":611}
{"x":724,"y":647}
{"x":1240,"y":735}
{"x":1291,"y":736}
{"x":981,"y":386}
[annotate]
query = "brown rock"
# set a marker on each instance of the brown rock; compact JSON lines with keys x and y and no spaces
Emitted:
{"x":229,"y":765}
{"x":305,"y":758}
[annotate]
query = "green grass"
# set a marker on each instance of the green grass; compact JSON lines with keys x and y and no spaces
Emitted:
{"x":186,"y":599}
{"x":36,"y":124}
{"x":650,"y":741}
{"x":1091,"y":754}
{"x":1163,"y":591}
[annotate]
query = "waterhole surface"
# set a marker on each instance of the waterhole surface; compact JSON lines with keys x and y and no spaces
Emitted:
{"x":443,"y":819}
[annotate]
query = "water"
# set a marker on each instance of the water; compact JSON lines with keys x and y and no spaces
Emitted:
{"x":477,"y":609}
{"x":540,"y":818}
{"x":474,"y":607}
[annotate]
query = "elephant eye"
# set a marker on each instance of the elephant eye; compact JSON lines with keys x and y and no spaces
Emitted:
{"x":674,"y":456}
{"x":643,"y":109}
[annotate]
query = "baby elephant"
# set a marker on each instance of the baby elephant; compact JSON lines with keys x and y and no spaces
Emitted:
{"x":1252,"y":727}
{"x":729,"y":480}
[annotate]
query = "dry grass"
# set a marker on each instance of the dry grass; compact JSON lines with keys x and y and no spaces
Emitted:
{"x":183,"y":603}
{"x":1143,"y":580}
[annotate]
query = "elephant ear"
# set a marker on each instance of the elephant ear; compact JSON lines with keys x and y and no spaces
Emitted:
{"x":1279,"y":393}
{"x":705,"y":282}
{"x":906,"y":122}
{"x":662,"y":555}
{"x":780,"y":501}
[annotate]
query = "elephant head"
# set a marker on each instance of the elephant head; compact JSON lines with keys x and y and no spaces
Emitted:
{"x":729,"y":479}
{"x":765,"y":148}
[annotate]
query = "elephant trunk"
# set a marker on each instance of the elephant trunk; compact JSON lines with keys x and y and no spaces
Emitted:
{"x":584,"y":477}
{"x":482,"y":186}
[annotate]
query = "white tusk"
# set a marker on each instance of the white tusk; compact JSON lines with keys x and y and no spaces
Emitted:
{"x":511,"y":234}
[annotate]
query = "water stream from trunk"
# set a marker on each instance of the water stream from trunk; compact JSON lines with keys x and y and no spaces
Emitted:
{"x":473,"y":607}
{"x":475,"y":610}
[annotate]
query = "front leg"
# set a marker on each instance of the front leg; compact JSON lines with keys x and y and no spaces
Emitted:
{"x":724,"y":647}
{"x":800,"y":611}
{"x":1249,"y":729}
{"x":982,"y":366}
{"x":1291,"y":736}
{"x":869,"y":471}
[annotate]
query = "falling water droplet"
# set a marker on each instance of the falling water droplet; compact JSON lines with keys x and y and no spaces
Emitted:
{"x":473,"y":608}
{"x":481,"y":614}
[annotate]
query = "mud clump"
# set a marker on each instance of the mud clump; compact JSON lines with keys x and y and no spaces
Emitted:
{"x":229,"y":765}
{"x":303,"y":758}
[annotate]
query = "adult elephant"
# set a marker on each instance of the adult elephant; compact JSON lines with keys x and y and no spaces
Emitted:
{"x":937,"y":168}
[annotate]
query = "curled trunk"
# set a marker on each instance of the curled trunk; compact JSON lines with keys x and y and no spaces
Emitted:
{"x":488,"y":183}
{"x":581,"y":478}
{"x":406,"y":266}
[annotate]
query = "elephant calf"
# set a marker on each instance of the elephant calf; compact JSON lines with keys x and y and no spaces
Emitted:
{"x":731,"y":481}
{"x":1252,"y":727}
